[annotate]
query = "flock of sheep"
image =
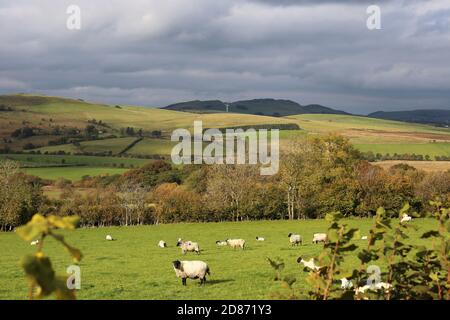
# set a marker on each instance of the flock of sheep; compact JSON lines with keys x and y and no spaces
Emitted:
{"x":199,"y":269}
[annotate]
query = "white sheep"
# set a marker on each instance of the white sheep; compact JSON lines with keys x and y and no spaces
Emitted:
{"x":364,"y":238}
{"x":405,"y":218}
{"x":260,"y":239}
{"x":109,"y":238}
{"x":236,"y":243}
{"x":221,"y":243}
{"x":191,"y":270}
{"x":295,"y":239}
{"x":308,"y":264}
{"x":188,"y":246}
{"x":346,"y":284}
{"x":374,"y":287}
{"x":34,"y":243}
{"x":320,"y":237}
{"x":162,"y":244}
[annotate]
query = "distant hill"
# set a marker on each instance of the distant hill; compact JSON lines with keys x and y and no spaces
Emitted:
{"x":436,"y":116}
{"x":208,"y":106}
{"x":262,"y":107}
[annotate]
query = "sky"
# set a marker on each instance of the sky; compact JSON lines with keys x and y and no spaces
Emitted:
{"x":158,"y":52}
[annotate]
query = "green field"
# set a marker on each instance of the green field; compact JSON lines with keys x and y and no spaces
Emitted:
{"x":150,"y":146}
{"x":376,"y":135}
{"x":431,"y":149}
{"x":133,"y":267}
{"x":40,"y":160}
{"x":71,"y":173}
{"x":69,"y":112}
{"x":321,"y":123}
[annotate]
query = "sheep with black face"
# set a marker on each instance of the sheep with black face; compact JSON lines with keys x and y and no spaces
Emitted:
{"x":295,"y":239}
{"x":191,"y":270}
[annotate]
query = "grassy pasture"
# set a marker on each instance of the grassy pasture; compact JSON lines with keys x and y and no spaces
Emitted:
{"x":368,"y":134}
{"x":71,"y":173}
{"x":133,"y":267}
{"x":41,"y":160}
{"x":323,"y":123}
{"x":431,"y":149}
{"x":76,"y":113}
{"x":149,"y":146}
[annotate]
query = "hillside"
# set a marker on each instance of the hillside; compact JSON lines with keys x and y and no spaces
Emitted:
{"x":268,"y":107}
{"x":436,"y":116}
{"x":52,"y":125}
{"x":45,"y":112}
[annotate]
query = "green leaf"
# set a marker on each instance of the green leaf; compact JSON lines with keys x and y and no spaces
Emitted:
{"x":39,"y":270}
{"x":68,"y":223}
{"x":36,"y":227}
{"x":404,"y":210}
{"x":430,"y":234}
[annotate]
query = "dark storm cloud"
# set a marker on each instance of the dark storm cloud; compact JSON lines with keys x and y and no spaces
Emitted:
{"x":160,"y":52}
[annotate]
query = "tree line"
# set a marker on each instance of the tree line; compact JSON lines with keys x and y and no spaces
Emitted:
{"x":317,"y":175}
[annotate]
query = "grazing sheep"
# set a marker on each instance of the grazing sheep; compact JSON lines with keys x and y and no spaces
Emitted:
{"x":34,"y":243}
{"x":405,"y":218}
{"x":259,"y":239}
{"x":320,"y":237}
{"x":346,"y":284}
{"x":308,"y":264}
{"x":191,"y":270}
{"x":188,"y":246}
{"x":375,"y":287}
{"x":109,"y":238}
{"x":162,"y":244}
{"x":364,"y":238}
{"x":236,"y":243}
{"x":295,"y":239}
{"x":221,"y":243}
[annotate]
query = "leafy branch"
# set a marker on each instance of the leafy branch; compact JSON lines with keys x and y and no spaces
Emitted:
{"x":43,"y":280}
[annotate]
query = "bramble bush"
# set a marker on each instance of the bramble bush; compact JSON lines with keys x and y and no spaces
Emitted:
{"x":38,"y":267}
{"x":411,"y":272}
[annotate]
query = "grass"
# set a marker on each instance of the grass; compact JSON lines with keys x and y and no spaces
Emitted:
{"x":323,"y":123}
{"x":71,"y":173}
{"x":43,"y":112}
{"x":431,"y":149}
{"x":41,"y":160}
{"x":133,"y":267}
{"x":76,"y":113}
{"x":115,"y":145}
{"x":150,"y":146}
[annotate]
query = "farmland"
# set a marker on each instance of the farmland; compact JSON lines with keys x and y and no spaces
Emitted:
{"x":428,"y":166}
{"x":133,"y":267}
{"x":47,"y":113}
{"x":71,"y":173}
{"x":52,"y":167}
{"x":431,"y":149}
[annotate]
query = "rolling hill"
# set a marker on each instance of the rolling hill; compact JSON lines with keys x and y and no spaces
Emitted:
{"x":268,"y":107}
{"x":51,"y":117}
{"x":436,"y":116}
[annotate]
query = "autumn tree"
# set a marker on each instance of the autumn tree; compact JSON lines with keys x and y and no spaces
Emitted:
{"x":19,"y":199}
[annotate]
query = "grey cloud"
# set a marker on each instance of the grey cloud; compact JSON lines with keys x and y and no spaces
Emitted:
{"x":158,"y":52}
